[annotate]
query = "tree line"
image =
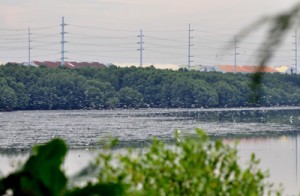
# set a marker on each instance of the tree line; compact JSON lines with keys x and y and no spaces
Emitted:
{"x":32,"y":88}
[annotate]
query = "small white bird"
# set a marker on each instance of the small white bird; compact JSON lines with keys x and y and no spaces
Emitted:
{"x":291,"y":119}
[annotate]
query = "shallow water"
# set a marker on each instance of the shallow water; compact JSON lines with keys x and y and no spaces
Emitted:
{"x":271,"y":133}
{"x":22,"y":129}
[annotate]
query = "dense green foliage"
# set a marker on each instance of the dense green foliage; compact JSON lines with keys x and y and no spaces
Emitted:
{"x":42,"y":175}
{"x":195,"y":166}
{"x":91,"y":88}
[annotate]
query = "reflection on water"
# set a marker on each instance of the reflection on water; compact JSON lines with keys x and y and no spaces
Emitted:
{"x":271,"y":133}
{"x":277,"y":154}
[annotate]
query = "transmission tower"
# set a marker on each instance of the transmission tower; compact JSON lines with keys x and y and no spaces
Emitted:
{"x":235,"y":53}
{"x":296,"y":52}
{"x":62,"y":42}
{"x":189,"y":47}
{"x":29,"y":46}
{"x":141,"y":47}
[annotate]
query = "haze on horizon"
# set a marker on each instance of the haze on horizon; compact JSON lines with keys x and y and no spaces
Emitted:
{"x":106,"y":30}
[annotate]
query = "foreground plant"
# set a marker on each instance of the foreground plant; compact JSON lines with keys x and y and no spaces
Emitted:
{"x":193,"y":166}
{"x":42,"y":175}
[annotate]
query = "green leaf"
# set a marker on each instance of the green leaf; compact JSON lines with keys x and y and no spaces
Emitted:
{"x":41,"y":174}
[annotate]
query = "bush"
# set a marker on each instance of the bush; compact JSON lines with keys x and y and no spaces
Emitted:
{"x":194,"y":166}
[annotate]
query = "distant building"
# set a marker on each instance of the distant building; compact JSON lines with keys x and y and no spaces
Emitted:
{"x":284,"y":69}
{"x":245,"y":69}
{"x":71,"y":64}
{"x":232,"y":68}
{"x":156,"y":66}
{"x":202,"y":68}
{"x":207,"y":68}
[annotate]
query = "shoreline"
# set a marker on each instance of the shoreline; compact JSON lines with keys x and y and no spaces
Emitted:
{"x":221,"y":109}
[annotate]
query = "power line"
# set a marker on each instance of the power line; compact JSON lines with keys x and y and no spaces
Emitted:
{"x":13,"y":35}
{"x":166,"y":31}
{"x":165,"y":52}
{"x":103,"y":51}
{"x":93,"y":37}
{"x":264,"y":50}
{"x":47,"y":54}
{"x":13,"y":48}
{"x":6,"y":29}
{"x":214,"y":33}
{"x":108,"y":44}
{"x":100,"y":28}
{"x":43,"y":35}
{"x":178,"y":40}
{"x":174,"y":46}
{"x":12,"y":42}
{"x":15,"y":39}
{"x":45,"y":27}
{"x":160,"y":44}
{"x":97,"y":55}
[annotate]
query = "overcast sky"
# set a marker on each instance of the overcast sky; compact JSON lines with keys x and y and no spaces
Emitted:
{"x":160,"y":20}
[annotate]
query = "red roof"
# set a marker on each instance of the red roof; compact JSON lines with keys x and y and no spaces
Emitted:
{"x":232,"y":68}
{"x":71,"y":64}
{"x":49,"y":64}
{"x":267,"y":69}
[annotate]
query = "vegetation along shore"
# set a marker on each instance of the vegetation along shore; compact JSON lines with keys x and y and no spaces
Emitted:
{"x":41,"y":88}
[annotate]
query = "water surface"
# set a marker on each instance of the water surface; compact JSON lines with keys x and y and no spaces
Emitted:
{"x":271,"y":133}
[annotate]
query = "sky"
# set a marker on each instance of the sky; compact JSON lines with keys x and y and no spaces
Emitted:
{"x":106,"y":30}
